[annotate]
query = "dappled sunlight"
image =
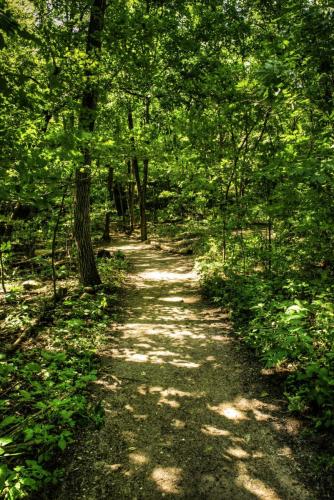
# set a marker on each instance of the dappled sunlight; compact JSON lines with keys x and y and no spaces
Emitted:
{"x":142,"y":331}
{"x":242,"y":408}
{"x":167,"y":397}
{"x":185,"y":364}
{"x":220,"y":338}
{"x":154,"y":357}
{"x":285,"y":451}
{"x":138,"y":458}
{"x":162,"y":353}
{"x":185,"y":417}
{"x":168,"y":479}
{"x":113,"y":467}
{"x":129,"y":436}
{"x":246,"y":404}
{"x":130,"y":247}
{"x":210,"y":430}
{"x":171,"y":391}
{"x":130,"y":355}
{"x":143,"y":345}
{"x":171,"y":299}
{"x":237,"y":452}
{"x":140,"y":417}
{"x":228,"y":411}
{"x":258,"y":488}
{"x":166,"y":276}
{"x":178,"y":424}
{"x":170,"y":402}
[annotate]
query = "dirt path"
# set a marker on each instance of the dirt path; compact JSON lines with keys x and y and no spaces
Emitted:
{"x":186,"y":417}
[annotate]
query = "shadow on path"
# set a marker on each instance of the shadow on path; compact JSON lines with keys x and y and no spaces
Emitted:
{"x":186,"y":416}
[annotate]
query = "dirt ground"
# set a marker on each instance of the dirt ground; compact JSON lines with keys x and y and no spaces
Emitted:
{"x":186,"y":414}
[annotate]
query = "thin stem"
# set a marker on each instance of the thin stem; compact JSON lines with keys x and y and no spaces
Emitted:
{"x":2,"y":273}
{"x":54,"y":241}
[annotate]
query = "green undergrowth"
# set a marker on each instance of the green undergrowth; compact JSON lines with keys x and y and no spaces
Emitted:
{"x":286,"y":316}
{"x":289,"y":321}
{"x":44,"y":387}
{"x":186,"y":230}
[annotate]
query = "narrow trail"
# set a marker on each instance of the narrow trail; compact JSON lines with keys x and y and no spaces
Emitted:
{"x":186,"y":416}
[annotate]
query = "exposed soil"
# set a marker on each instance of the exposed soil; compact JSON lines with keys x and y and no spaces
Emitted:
{"x":187,"y":415}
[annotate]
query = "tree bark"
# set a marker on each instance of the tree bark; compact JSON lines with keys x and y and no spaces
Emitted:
{"x":130,"y":197}
{"x":110,"y":186}
{"x":2,"y":273}
{"x":54,"y":239}
{"x":143,"y":221}
{"x":110,"y":183}
{"x":141,"y":185}
{"x":87,"y":266}
{"x":106,"y":232}
{"x":121,"y":203}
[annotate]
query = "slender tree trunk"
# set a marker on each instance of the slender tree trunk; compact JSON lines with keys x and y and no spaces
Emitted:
{"x":141,"y":186}
{"x":130,"y":197}
{"x":110,"y":183}
{"x":2,"y":273}
{"x":106,"y":232}
{"x":135,"y":171}
{"x":110,"y":186}
{"x":134,"y":160}
{"x":224,"y":237}
{"x":269,"y":230}
{"x":143,"y":220}
{"x":121,"y":204}
{"x":270,"y":235}
{"x":87,"y":266}
{"x":54,"y":239}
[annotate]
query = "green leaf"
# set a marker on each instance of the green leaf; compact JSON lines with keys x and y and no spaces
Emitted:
{"x":28,"y":434}
{"x":3,"y":474}
{"x":62,"y":443}
{"x":5,"y":440}
{"x":11,"y":419}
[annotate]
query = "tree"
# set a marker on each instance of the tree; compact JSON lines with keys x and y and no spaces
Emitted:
{"x":87,"y":266}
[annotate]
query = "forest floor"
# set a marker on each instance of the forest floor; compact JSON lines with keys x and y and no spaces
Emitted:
{"x":188,"y":413}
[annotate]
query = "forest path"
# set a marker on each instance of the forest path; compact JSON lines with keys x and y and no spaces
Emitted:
{"x":186,"y":416}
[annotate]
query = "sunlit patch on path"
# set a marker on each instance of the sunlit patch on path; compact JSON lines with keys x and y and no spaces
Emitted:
{"x":185,"y":414}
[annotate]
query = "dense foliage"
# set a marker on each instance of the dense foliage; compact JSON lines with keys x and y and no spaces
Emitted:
{"x":44,"y":388}
{"x":215,"y":115}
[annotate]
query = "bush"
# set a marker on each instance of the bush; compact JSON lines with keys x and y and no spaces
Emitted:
{"x":44,"y":390}
{"x":289,"y":323}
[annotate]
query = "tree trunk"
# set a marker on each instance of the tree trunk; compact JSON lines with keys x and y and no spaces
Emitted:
{"x":136,"y":174}
{"x":110,"y":183}
{"x":106,"y":232}
{"x":121,"y":203}
{"x":54,"y":239}
{"x":143,"y":221}
{"x":89,"y":275}
{"x":87,"y":266}
{"x":110,"y":186}
{"x":130,"y":198}
{"x":2,"y":267}
{"x":141,"y":185}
